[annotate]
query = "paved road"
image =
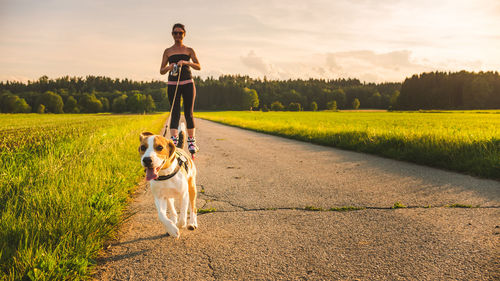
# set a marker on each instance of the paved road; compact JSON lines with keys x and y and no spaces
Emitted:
{"x":260,"y":185}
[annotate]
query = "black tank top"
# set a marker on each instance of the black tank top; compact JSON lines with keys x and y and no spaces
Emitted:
{"x":186,"y":71}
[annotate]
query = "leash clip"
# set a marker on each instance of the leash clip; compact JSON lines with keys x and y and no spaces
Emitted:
{"x":175,"y":70}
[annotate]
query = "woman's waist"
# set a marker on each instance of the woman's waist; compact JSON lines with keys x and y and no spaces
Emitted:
{"x":181,"y":82}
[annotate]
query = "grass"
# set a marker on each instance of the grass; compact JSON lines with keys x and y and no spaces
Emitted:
{"x":398,"y":205}
{"x":467,"y":142}
{"x":314,"y":209}
{"x":334,"y":209}
{"x":205,"y":211}
{"x":64,"y":183}
{"x":457,"y":205}
{"x":346,"y":209}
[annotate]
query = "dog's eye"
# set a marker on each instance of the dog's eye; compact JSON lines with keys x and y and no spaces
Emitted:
{"x":143,"y":148}
{"x":159,"y":148}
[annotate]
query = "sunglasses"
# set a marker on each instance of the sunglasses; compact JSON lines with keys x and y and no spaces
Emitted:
{"x":177,"y":32}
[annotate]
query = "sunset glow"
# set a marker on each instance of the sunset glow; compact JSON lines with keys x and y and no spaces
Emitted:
{"x":373,"y":41}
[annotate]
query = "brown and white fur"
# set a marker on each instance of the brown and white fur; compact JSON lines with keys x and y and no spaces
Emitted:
{"x":158,"y":157}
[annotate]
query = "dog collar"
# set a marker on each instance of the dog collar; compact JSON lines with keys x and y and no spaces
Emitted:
{"x":181,"y":161}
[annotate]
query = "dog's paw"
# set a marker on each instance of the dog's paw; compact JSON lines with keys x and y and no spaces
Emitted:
{"x":174,"y":232}
{"x":181,"y":225}
{"x":192,"y":227}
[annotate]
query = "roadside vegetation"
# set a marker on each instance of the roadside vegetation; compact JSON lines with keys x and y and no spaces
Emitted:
{"x":430,"y":90}
{"x":467,"y":142}
{"x":64,"y":183}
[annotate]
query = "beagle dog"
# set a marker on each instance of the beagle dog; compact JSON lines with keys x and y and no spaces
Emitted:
{"x":172,"y":175}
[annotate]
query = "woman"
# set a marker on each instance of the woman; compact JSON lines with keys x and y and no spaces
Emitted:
{"x":178,"y":59}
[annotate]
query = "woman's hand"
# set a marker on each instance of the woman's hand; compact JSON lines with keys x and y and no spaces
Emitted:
{"x":182,"y":62}
{"x":166,"y":69}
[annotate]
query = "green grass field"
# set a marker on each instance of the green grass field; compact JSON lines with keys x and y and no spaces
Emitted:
{"x":65,"y":180}
{"x":468,"y":142}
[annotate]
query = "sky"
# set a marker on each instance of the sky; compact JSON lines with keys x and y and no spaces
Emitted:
{"x":371,"y":40}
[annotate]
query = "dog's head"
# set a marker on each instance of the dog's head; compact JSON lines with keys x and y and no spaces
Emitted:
{"x":156,"y":152}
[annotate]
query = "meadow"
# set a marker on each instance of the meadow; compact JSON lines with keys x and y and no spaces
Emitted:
{"x":463,"y":141}
{"x":65,"y":179}
{"x":64,"y":185}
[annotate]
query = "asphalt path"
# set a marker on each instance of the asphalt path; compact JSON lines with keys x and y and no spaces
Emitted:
{"x":264,"y":190}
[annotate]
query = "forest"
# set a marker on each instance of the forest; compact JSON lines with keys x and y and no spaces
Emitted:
{"x":92,"y":94}
{"x":446,"y":90}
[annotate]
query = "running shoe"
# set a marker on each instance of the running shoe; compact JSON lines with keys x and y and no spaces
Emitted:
{"x":192,"y":147}
{"x":175,"y":139}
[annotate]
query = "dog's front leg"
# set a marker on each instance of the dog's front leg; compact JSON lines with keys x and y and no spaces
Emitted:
{"x":193,"y":222}
{"x":161,"y":206}
{"x":183,"y":210}
{"x":172,"y":213}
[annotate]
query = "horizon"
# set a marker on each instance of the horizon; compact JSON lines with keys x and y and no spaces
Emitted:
{"x":242,"y":75}
{"x":372,"y":41}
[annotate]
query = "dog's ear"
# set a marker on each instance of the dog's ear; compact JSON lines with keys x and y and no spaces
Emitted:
{"x":171,"y":150}
{"x":144,"y":135}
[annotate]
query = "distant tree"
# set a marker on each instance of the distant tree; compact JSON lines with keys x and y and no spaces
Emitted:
{"x":265,"y":108}
{"x":355,"y":103}
{"x":314,"y":106}
{"x":294,"y":106}
{"x":40,"y":109}
{"x":157,"y":94}
{"x":62,"y":92}
{"x":21,"y":106}
{"x":277,"y":106}
{"x":136,"y":102}
{"x":53,"y":102}
{"x":293,"y":96}
{"x":249,"y":99}
{"x":394,"y":99}
{"x":477,"y":92}
{"x":150,"y":104}
{"x":71,"y":105}
{"x":375,"y":101}
{"x":10,"y":103}
{"x":105,"y":104}
{"x":120,"y":104}
{"x":90,"y":104}
{"x":339,"y":95}
{"x":331,"y":105}
{"x":7,"y":100}
{"x":164,"y":105}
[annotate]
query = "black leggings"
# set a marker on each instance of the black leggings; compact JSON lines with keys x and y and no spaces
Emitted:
{"x":188,"y":93}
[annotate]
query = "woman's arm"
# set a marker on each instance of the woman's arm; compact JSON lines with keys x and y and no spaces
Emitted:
{"x":164,"y":68}
{"x":195,"y":64}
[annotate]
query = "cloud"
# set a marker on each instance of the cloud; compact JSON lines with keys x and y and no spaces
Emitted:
{"x":273,"y":38}
{"x":331,"y":62}
{"x":471,"y":65}
{"x":373,"y":67}
{"x":390,"y":60}
{"x":253,"y":61}
{"x":365,"y":65}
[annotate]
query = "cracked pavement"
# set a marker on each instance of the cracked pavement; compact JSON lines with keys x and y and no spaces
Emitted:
{"x":260,"y":185}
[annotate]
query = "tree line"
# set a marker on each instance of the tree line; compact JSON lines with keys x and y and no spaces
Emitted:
{"x":433,"y":90}
{"x":312,"y":94}
{"x":92,"y":94}
{"x":447,"y":90}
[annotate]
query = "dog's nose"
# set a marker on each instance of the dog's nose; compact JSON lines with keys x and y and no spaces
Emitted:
{"x":147,"y":161}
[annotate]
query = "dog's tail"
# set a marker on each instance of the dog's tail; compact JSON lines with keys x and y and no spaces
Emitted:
{"x":182,"y":136}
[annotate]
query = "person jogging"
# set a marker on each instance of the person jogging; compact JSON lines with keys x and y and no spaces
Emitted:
{"x":177,"y":60}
